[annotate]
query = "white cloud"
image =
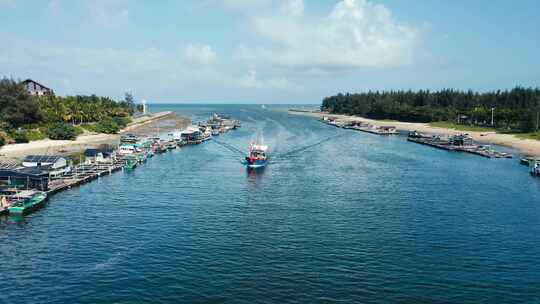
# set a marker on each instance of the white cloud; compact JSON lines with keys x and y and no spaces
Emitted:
{"x":244,"y":4}
{"x":293,"y":7}
{"x":356,"y":33}
{"x":251,"y":81}
{"x":197,"y":54}
{"x":108,"y":13}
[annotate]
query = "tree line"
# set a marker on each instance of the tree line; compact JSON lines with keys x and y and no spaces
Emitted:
{"x":515,"y":109}
{"x":24,"y":117}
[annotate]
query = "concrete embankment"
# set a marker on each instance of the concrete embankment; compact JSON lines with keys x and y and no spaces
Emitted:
{"x":526,"y":146}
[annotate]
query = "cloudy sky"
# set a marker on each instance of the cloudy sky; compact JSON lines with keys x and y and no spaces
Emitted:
{"x":268,"y":51}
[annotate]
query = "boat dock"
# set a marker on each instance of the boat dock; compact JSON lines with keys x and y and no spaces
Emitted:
{"x":50,"y":174}
{"x":361,"y":126}
{"x":457,"y":143}
{"x":82,"y":174}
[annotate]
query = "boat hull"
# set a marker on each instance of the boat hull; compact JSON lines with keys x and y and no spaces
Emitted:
{"x":253,"y":164}
{"x":34,"y":204}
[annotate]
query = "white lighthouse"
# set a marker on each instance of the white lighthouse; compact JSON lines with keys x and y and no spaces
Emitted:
{"x":144,"y":107}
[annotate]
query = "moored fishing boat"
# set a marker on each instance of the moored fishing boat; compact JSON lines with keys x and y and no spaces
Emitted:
{"x":534,"y":167}
{"x":130,"y":163}
{"x":257,"y":157}
{"x":171,"y":145}
{"x":28,"y":202}
{"x":141,"y":157}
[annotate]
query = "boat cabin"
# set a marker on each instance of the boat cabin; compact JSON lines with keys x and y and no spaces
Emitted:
{"x":127,"y":149}
{"x":191,"y":134}
{"x":258,"y":151}
{"x":129,"y":138}
{"x":99,"y":156}
{"x":461,"y":140}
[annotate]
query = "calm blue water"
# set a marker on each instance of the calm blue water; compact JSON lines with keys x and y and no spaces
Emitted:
{"x":338,"y":216}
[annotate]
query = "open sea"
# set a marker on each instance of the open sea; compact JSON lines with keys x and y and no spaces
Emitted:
{"x":338,"y":216}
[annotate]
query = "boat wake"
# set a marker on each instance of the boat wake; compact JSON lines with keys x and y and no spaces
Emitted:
{"x":284,"y":155}
{"x":306,"y":147}
{"x":229,"y":147}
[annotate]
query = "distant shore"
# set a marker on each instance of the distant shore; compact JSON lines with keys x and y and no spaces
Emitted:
{"x":48,"y":146}
{"x":528,"y":147}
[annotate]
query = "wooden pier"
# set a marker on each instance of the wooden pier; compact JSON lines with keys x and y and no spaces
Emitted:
{"x":472,"y":149}
{"x":81,"y":174}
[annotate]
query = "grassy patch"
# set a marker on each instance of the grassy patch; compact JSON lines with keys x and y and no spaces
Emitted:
{"x":450,"y":125}
{"x":90,"y":127}
{"x":35,"y":135}
{"x":78,"y":131}
{"x":534,"y":135}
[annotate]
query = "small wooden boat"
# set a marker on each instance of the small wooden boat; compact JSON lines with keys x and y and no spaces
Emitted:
{"x":29,"y":201}
{"x":130,"y":163}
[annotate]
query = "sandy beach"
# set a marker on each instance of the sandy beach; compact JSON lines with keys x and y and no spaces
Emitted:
{"x":139,"y":125}
{"x":528,"y":147}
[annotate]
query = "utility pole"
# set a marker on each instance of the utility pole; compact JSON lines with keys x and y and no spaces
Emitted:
{"x":492,"y":116}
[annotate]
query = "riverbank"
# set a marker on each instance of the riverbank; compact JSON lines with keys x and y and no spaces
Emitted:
{"x":48,"y":146}
{"x":528,"y":147}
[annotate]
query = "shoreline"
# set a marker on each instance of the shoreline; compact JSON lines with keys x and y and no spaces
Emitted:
{"x":527,"y":147}
{"x":49,"y":146}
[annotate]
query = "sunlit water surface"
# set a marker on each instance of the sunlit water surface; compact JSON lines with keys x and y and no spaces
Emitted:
{"x":337,"y":216}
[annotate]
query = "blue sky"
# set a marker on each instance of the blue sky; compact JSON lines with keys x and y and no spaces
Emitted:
{"x":268,"y":51}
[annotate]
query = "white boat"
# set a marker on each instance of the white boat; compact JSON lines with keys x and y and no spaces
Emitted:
{"x":126,"y":149}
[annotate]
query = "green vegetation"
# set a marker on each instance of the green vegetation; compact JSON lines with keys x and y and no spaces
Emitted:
{"x":2,"y":141}
{"x":62,"y":131}
{"x":81,"y":109}
{"x":35,"y":134}
{"x":24,"y":117}
{"x":107,"y":126}
{"x":17,"y":107}
{"x":517,"y":109}
{"x":532,"y":135}
{"x":460,"y":127}
{"x":20,"y":136}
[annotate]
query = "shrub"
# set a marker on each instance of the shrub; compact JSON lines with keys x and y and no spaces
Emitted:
{"x":61,"y":131}
{"x":2,"y":141}
{"x":35,"y":135}
{"x":121,"y":121}
{"x":107,"y":126}
{"x":20,"y":137}
{"x":78,"y":131}
{"x":89,"y":127}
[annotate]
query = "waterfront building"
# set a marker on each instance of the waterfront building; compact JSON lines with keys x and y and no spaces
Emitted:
{"x":36,"y":88}
{"x":99,"y":156}
{"x":54,"y":164}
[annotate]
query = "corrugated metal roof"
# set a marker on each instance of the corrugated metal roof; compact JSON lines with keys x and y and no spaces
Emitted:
{"x":42,"y":158}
